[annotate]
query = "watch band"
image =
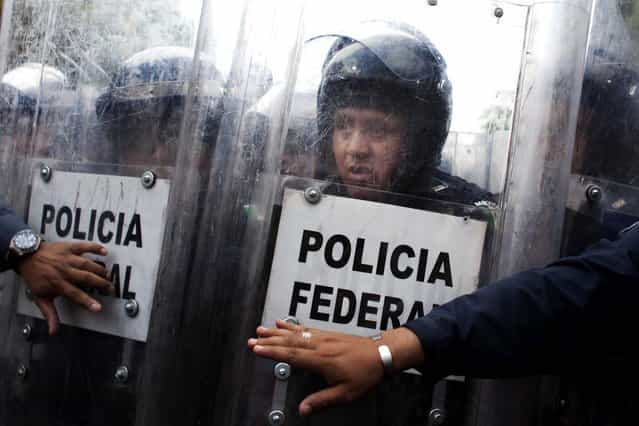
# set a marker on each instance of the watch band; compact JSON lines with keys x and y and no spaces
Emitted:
{"x":387,"y":358}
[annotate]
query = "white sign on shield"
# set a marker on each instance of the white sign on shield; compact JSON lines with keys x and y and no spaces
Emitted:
{"x":359,"y":267}
{"x":122,"y":215}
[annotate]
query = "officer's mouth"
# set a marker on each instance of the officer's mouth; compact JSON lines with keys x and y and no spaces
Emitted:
{"x":361,"y":174}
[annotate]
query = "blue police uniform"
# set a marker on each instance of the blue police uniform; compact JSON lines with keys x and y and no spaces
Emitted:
{"x":20,"y":90}
{"x":559,"y":318}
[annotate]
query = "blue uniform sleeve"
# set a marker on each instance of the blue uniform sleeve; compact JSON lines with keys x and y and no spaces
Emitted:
{"x":560,"y":318}
{"x":10,"y":223}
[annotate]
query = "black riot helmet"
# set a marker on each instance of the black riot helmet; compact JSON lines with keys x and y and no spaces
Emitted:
{"x":301,"y":133}
{"x":22,"y":87}
{"x":146,"y":99}
{"x":28,"y":91}
{"x":391,"y":67}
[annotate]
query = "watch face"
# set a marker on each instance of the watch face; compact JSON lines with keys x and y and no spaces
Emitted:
{"x":25,"y":240}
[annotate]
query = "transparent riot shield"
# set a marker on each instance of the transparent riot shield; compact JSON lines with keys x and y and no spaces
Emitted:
{"x":380,"y":178}
{"x":602,"y":194}
{"x":537,"y":185}
{"x":93,"y":98}
{"x":347,"y":165}
{"x":145,"y":154}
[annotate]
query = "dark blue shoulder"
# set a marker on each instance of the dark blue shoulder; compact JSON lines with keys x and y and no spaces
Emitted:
{"x":455,"y":189}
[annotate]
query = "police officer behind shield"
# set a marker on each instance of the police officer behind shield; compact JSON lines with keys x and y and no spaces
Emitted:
{"x":564,"y":318}
{"x":383,"y":113}
{"x":143,"y":109}
{"x":49,"y":269}
{"x":384,"y":108}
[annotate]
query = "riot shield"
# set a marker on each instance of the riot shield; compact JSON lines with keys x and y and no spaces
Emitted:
{"x":388,"y":178}
{"x":602,"y":193}
{"x":91,"y":117}
{"x":340,"y":164}
{"x":141,"y":135}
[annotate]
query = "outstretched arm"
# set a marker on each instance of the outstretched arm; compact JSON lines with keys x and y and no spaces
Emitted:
{"x":545,"y":320}
{"x":563,"y":316}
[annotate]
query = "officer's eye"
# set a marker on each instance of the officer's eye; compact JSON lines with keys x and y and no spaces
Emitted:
{"x":342,"y":122}
{"x":389,"y":127}
{"x":376,"y":129}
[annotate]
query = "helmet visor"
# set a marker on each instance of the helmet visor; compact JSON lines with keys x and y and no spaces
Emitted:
{"x":405,"y":52}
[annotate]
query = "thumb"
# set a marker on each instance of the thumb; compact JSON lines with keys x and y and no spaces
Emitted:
{"x":50,"y":314}
{"x":324,"y":398}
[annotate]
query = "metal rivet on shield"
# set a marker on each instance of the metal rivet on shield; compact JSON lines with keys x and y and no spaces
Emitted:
{"x":29,"y":294}
{"x":45,"y":173}
{"x":594,"y":193}
{"x":276,"y":418}
{"x":282,"y":371}
{"x":562,"y":405}
{"x":499,"y":12}
{"x":121,"y":374}
{"x":148,"y":179}
{"x":22,"y":371}
{"x":436,"y":417}
{"x":26,"y":331}
{"x":131,"y":307}
{"x":313,"y":195}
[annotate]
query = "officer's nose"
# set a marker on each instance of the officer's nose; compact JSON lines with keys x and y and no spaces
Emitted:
{"x":358,"y":144}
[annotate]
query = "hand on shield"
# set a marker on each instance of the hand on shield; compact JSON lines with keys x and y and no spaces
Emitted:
{"x":57,"y":269}
{"x":350,"y":364}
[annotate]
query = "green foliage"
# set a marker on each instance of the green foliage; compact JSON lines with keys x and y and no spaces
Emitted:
{"x":87,"y":39}
{"x":496,"y":117}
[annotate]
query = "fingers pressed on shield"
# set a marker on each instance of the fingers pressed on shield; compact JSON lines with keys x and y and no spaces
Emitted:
{"x":297,"y":357}
{"x":86,"y":264}
{"x":289,"y":341}
{"x":270,"y":332}
{"x":88,"y":279}
{"x":81,"y":298}
{"x":268,"y":341}
{"x":299,"y":336}
{"x":50,"y":313}
{"x":82,"y":247}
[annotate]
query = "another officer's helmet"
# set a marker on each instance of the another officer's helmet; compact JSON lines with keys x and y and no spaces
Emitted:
{"x":29,"y":85}
{"x":158,"y":75}
{"x":26,"y":90}
{"x":396,"y":68}
{"x":301,"y":133}
{"x":145,"y":105}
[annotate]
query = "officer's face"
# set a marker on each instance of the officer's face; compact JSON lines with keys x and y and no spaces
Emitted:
{"x":147,"y":139}
{"x":145,"y":146}
{"x":366,"y":145}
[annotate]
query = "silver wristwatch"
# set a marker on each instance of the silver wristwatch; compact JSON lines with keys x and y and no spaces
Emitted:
{"x":23,"y":242}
